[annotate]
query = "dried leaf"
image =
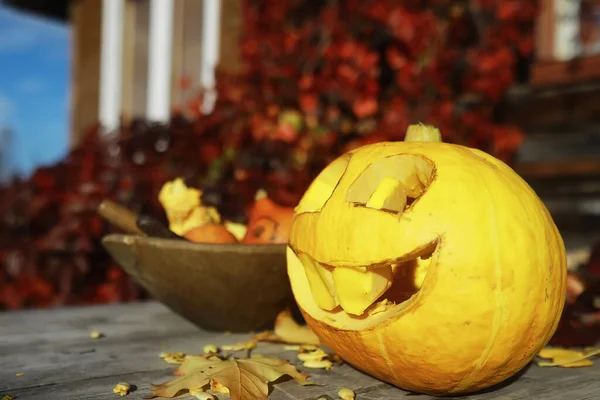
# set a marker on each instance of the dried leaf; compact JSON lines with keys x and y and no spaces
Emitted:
{"x":122,"y":388}
{"x":288,"y":331}
{"x":316,"y":355}
{"x":173,"y":358}
{"x":245,"y":379}
{"x":268,"y":336}
{"x":346,"y":394}
{"x":210,"y":349}
{"x":318,"y":364}
{"x":249,"y":345}
{"x":218,"y":387}
{"x":202,"y":395}
{"x":291,"y":332}
{"x":567,"y":358}
{"x":96,"y":335}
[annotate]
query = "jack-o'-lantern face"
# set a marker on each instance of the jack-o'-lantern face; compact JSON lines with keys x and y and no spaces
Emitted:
{"x":370,"y":194}
{"x":431,"y":266}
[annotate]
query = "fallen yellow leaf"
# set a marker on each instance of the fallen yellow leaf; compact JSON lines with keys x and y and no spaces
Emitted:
{"x":318,"y":364}
{"x":210,"y":349}
{"x":173,"y":358}
{"x":122,"y":388}
{"x":217,"y":387}
{"x":249,"y":345}
{"x":96,"y":335}
{"x":292,"y":332}
{"x":316,"y":355}
{"x":567,"y":358}
{"x":288,"y":331}
{"x":346,"y":394}
{"x":244,"y":378}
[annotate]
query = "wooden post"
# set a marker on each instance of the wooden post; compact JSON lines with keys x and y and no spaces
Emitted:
{"x":129,"y":62}
{"x":211,"y":37}
{"x":85,"y":18}
{"x":231,"y":29}
{"x":544,"y":31}
{"x":178,"y":49}
{"x":140,"y":50}
{"x":187,"y":49}
{"x":158,"y":102}
{"x":111,"y":64}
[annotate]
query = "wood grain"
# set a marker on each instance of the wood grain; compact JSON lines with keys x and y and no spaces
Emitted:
{"x":59,"y":360}
{"x":86,"y":21}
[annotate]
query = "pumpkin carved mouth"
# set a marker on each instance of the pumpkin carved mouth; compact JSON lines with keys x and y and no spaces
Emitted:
{"x":359,"y":292}
{"x":392,"y":185}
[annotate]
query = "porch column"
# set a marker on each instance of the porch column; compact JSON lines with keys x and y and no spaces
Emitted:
{"x":158,"y":106}
{"x":110,"y":64}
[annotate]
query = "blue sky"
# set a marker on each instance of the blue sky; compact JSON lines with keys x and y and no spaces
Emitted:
{"x":34,"y":89}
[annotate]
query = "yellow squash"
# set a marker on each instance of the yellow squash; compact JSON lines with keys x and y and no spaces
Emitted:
{"x":428,"y":265}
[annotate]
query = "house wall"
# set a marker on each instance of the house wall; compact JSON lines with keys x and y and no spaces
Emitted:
{"x":186,"y":60}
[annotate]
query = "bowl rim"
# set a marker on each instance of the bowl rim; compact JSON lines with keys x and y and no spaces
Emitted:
{"x":179,"y":244}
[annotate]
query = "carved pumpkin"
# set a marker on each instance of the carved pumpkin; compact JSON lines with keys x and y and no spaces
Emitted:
{"x":428,"y":265}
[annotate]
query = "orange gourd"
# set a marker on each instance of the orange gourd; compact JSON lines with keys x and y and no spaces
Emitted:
{"x":210,"y":233}
{"x":268,"y":222}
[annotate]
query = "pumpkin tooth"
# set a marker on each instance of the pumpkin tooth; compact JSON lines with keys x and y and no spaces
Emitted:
{"x":358,"y":289}
{"x":421,"y":271}
{"x":321,"y":282}
{"x":390,"y":194}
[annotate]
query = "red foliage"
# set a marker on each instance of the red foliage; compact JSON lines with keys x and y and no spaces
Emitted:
{"x":355,"y":72}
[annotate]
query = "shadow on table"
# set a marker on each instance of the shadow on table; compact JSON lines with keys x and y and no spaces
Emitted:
{"x":491,"y":389}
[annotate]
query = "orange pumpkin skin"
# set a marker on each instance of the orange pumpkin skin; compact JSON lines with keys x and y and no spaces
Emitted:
{"x":492,"y":296}
{"x":410,"y":376}
{"x":210,"y":233}
{"x":268,"y":222}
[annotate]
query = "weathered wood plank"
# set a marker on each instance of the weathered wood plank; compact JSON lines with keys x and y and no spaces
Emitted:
{"x":74,"y":324}
{"x":92,"y":359}
{"x":58,"y":359}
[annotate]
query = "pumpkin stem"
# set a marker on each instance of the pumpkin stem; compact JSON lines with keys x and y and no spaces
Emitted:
{"x":422,"y":133}
{"x":260,"y":194}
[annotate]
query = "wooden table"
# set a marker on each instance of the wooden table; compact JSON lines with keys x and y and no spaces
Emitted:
{"x":58,"y":359}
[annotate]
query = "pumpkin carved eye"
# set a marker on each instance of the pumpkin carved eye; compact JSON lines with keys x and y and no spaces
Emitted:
{"x":391,"y":183}
{"x":323,"y":186}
